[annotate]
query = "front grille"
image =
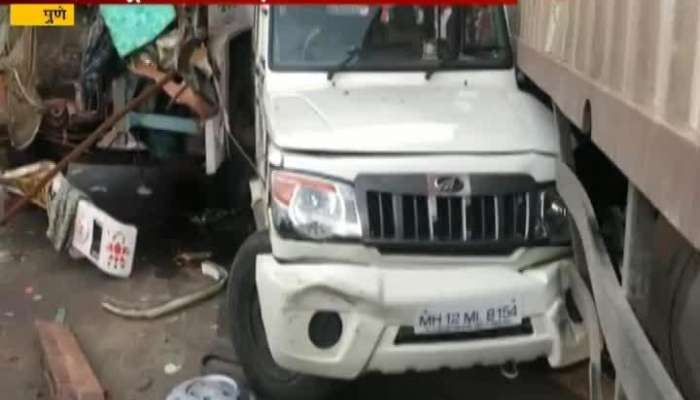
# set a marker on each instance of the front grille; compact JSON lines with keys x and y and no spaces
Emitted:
{"x":473,"y":218}
{"x":501,"y":218}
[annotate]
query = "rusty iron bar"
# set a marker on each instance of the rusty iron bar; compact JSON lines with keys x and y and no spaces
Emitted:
{"x":176,"y":96}
{"x":87,"y":143}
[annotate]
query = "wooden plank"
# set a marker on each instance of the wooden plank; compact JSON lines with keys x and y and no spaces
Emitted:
{"x":66,"y":368}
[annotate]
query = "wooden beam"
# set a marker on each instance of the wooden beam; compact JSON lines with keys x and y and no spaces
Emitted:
{"x":66,"y":369}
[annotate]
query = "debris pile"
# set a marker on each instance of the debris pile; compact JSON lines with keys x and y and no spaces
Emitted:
{"x":129,"y":85}
{"x":95,"y":102}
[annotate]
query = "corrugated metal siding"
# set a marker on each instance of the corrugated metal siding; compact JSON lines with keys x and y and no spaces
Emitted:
{"x":616,"y":55}
{"x":601,"y":28}
{"x":644,"y":59}
{"x":581,"y":41}
{"x":638,"y":63}
{"x":685,"y":37}
{"x":568,"y":29}
{"x":643,"y":50}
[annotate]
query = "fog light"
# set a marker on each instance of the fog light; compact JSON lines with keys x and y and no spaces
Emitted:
{"x":325,"y":329}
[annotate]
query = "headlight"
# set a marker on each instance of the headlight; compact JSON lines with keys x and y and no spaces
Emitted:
{"x":551,"y":217}
{"x":315,"y":208}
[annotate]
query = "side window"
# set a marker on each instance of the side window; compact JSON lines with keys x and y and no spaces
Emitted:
{"x":480,"y":31}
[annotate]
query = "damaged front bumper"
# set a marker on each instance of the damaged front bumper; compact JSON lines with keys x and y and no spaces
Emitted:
{"x":378,"y":306}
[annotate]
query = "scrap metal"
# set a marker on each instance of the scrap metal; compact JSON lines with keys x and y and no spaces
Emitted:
{"x":89,"y":142}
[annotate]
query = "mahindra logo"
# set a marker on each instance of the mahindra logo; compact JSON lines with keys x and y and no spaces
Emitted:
{"x":448,"y":184}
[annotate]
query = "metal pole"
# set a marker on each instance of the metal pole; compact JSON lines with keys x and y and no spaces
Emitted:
{"x":87,"y":143}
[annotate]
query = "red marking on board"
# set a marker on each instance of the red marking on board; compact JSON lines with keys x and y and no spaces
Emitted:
{"x":118,"y":251}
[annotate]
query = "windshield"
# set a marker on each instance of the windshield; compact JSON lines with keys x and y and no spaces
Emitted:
{"x":388,"y":37}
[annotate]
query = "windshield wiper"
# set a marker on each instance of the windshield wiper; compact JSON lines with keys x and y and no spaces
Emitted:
{"x":342,"y":65}
{"x":441,"y":64}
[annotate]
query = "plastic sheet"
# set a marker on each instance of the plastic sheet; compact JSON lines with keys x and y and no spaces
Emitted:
{"x":133,"y":26}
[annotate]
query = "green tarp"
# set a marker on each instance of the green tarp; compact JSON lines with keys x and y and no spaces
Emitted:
{"x":133,"y":26}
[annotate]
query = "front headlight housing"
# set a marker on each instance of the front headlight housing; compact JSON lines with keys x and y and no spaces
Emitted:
{"x":309,"y":207}
{"x":551,"y":220}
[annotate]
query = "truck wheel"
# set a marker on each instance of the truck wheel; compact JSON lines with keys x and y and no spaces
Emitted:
{"x":248,"y":333}
{"x":672,"y":305}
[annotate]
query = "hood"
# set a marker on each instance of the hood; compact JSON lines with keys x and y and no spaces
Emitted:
{"x":416,"y":119}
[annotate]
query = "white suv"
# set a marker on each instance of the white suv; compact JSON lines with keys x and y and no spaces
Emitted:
{"x":410,"y":218}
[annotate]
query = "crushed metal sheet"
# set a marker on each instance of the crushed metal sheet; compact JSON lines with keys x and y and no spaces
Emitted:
{"x":23,"y":179}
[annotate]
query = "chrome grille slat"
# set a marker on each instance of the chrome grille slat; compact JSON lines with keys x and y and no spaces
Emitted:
{"x":415,"y":217}
{"x":495,"y":214}
{"x":458,"y":219}
{"x":382,"y":227}
{"x":432,"y":211}
{"x":449,"y":218}
{"x":464,"y":219}
{"x":516,"y":199}
{"x":397,"y":215}
{"x":527,"y":215}
{"x":482,"y":208}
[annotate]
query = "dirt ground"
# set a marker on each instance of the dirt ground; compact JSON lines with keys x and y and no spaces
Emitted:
{"x":130,"y":357}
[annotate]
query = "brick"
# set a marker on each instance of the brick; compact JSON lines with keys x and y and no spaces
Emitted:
{"x":66,"y":368}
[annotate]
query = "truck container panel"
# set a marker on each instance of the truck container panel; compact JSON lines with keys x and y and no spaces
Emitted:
{"x":628,"y":72}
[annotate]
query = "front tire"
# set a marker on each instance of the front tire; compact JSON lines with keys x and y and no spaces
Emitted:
{"x":248,"y":333}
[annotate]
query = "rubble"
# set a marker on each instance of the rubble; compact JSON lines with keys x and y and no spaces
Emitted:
{"x":161,"y":43}
{"x":188,"y":259}
{"x":21,"y":180}
{"x":155,"y":78}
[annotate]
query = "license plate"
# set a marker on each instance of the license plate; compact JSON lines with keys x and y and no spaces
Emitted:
{"x":468,"y":317}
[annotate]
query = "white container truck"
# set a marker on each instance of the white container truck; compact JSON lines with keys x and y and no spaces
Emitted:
{"x":624,"y":80}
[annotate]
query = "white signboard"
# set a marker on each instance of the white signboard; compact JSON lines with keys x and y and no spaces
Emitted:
{"x":106,"y":242}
